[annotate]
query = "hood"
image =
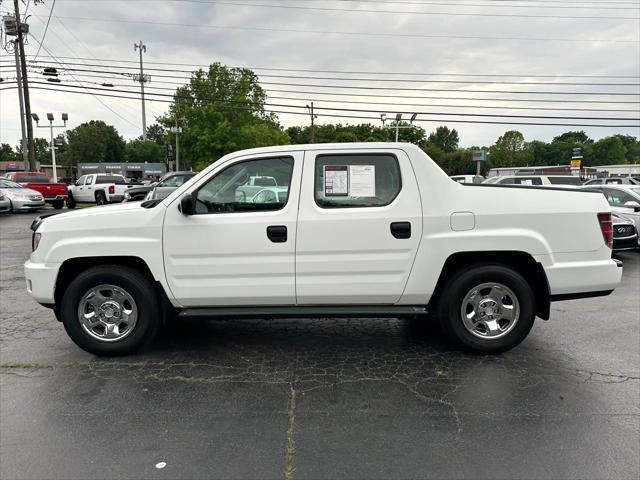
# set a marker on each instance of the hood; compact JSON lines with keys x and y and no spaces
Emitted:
{"x":94,"y":215}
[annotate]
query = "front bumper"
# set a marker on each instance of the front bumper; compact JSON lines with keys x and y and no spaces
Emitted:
{"x":27,"y":204}
{"x":625,"y":243}
{"x":41,"y":281}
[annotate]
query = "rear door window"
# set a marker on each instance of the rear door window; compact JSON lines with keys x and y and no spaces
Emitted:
{"x":361,"y":180}
{"x":568,"y":180}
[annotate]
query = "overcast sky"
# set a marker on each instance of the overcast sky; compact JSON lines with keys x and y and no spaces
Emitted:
{"x":376,"y":40}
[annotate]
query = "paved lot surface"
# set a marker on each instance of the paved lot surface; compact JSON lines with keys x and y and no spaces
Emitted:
{"x":320,"y":399}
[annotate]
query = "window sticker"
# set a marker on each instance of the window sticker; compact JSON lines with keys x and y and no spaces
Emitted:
{"x":362,"y":180}
{"x":336,"y":180}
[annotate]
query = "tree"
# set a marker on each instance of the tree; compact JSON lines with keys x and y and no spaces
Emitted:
{"x":445,"y":139}
{"x":7,"y":154}
{"x":141,"y":151}
{"x":156,"y":133}
{"x":223,"y":110}
{"x":94,"y":141}
{"x":507,"y":151}
{"x":608,"y":151}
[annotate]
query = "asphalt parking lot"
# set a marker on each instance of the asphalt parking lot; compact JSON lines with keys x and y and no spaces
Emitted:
{"x":319,"y":398}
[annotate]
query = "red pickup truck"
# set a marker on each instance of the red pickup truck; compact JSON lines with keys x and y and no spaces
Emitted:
{"x":53,"y":193}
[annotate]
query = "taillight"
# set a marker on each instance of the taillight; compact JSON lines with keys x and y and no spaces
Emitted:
{"x":606,"y":226}
{"x":112,"y":189}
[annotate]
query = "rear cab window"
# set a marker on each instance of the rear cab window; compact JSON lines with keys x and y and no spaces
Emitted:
{"x":31,"y":178}
{"x":568,"y":180}
{"x":102,"y":179}
{"x":356,"y":180}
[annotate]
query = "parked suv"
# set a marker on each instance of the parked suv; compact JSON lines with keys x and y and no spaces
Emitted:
{"x":355,"y":230}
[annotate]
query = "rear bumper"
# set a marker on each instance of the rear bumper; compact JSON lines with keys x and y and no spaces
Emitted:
{"x":116,"y":198}
{"x":41,"y":281}
{"x":583,"y":279}
{"x":53,"y":198}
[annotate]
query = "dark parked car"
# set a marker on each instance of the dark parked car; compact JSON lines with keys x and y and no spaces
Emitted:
{"x":171,"y":180}
{"x":625,"y":235}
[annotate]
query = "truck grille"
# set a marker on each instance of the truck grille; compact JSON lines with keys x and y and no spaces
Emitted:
{"x":623,"y":231}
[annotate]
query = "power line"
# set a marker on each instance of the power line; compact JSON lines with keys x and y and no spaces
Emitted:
{"x":358,"y":72}
{"x":364,"y":34}
{"x":375,"y":118}
{"x":350,"y":110}
{"x":46,"y":28}
{"x":401,"y":80}
{"x":413,"y":12}
{"x":373,"y":87}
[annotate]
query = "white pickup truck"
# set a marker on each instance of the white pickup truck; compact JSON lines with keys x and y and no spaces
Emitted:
{"x":365,"y":230}
{"x":98,"y":188}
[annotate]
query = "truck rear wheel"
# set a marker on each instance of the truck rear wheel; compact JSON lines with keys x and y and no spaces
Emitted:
{"x":101,"y":199}
{"x":487,"y":309}
{"x":58,"y":204}
{"x":71,"y":202}
{"x":110,"y":310}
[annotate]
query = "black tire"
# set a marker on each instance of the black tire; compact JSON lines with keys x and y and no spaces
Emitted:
{"x":101,"y":199}
{"x":131,"y":281}
{"x":71,"y":202}
{"x":58,"y":204}
{"x":451,"y":301}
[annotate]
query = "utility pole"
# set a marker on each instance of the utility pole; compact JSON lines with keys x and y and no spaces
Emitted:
{"x":177,"y":130}
{"x":142,"y":79}
{"x":23,"y":140}
{"x":22,"y":29}
{"x":313,"y":126}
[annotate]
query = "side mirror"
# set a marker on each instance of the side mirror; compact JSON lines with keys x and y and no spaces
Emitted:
{"x":187,"y":206}
{"x":633,"y":205}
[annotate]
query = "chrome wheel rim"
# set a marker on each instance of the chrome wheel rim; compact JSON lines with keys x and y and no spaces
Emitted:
{"x":490,"y":311}
{"x":107,"y":313}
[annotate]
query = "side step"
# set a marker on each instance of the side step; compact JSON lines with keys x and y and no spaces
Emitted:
{"x":303,"y":312}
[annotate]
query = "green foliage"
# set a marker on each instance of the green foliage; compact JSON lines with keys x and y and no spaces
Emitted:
{"x":7,"y":154}
{"x":508,"y":151}
{"x":221,"y":110}
{"x":143,"y":151}
{"x":94,"y":141}
{"x":445,"y":139}
{"x":156,"y":133}
{"x":364,"y":132}
{"x":609,"y":151}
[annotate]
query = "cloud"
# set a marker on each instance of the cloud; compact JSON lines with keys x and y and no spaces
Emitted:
{"x":385,"y":54}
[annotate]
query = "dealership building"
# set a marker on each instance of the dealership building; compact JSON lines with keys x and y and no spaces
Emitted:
{"x":129,"y":170}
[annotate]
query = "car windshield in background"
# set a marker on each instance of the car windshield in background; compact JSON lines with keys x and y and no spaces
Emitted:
{"x":4,"y":183}
{"x":32,"y":178}
{"x":567,"y":180}
{"x":111,"y":179}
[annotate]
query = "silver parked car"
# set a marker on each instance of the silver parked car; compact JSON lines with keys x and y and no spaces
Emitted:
{"x":624,"y":200}
{"x":5,"y":204}
{"x":21,"y":199}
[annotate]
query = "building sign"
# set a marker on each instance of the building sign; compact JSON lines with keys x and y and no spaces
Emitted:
{"x":134,"y":167}
{"x":576,"y":163}
{"x":479,"y":156}
{"x":576,"y":152}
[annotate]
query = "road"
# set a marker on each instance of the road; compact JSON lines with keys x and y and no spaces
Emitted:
{"x":319,"y":398}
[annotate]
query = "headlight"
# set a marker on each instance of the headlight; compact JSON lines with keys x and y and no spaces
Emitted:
{"x":35,"y":241}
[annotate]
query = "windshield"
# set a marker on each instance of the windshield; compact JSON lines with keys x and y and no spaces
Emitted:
{"x":4,"y":183}
{"x":492,"y":180}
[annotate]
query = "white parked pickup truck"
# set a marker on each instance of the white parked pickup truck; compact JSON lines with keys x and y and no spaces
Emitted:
{"x":98,"y":188}
{"x":365,"y":230}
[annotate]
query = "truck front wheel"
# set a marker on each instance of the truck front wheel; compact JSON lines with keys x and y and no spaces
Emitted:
{"x":110,"y":310}
{"x":487,"y":309}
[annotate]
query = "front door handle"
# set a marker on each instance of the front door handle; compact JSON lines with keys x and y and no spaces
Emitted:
{"x":277,"y":233}
{"x":401,"y":229}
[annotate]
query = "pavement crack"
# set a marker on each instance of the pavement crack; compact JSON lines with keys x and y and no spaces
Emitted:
{"x":290,"y":447}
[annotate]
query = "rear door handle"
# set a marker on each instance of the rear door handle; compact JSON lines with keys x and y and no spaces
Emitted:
{"x":277,"y":233}
{"x":401,"y":229}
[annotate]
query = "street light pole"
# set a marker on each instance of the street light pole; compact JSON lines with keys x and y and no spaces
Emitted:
{"x":65,"y":117}
{"x":142,"y":78}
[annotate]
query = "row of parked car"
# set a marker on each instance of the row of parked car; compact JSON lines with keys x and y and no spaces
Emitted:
{"x":623,"y":194}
